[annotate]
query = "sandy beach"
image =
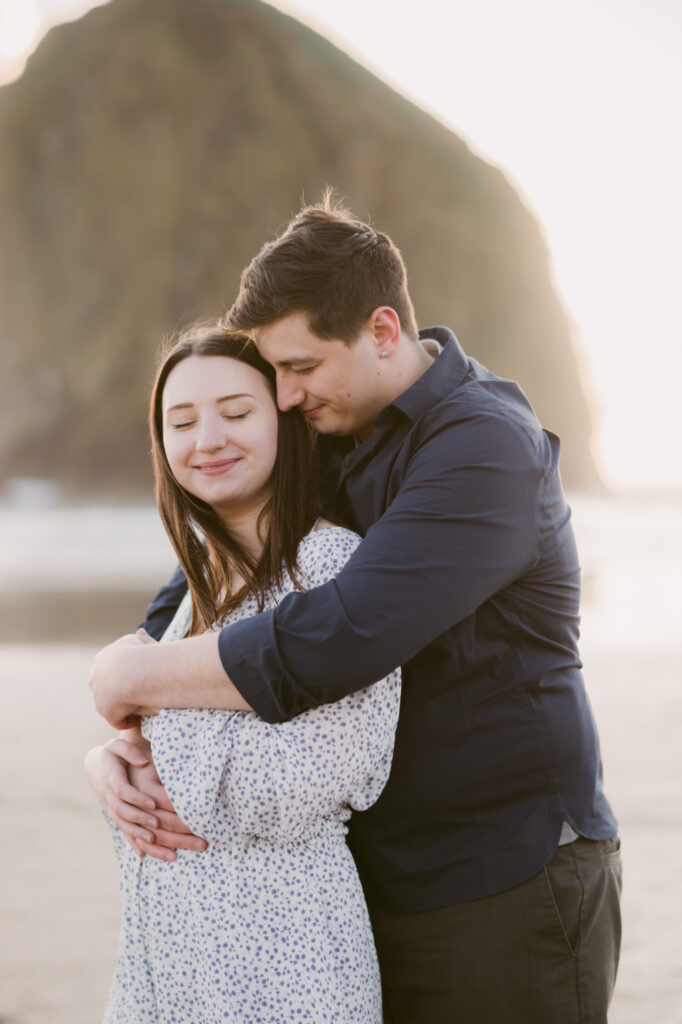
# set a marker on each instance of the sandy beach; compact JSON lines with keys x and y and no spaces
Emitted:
{"x":58,"y":877}
{"x":58,"y":880}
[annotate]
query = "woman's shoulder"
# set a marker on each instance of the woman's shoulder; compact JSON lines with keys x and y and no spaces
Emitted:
{"x":324,"y":551}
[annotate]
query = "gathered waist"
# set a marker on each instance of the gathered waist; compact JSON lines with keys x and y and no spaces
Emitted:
{"x":327,"y":833}
{"x":328,"y":840}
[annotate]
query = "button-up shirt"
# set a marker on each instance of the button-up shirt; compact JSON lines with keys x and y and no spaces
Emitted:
{"x":468,"y":577}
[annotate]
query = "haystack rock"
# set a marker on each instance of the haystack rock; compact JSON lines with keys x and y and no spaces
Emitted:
{"x":151,"y":147}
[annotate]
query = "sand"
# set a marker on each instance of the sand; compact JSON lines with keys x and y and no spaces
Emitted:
{"x":58,"y":894}
{"x":58,"y":881}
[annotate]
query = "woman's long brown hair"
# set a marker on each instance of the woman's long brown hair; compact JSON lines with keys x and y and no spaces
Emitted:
{"x":286,"y":518}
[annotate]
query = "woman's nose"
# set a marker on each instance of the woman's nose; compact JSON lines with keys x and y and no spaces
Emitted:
{"x":211,"y":435}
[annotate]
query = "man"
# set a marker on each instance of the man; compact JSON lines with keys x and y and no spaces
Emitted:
{"x":490,"y":862}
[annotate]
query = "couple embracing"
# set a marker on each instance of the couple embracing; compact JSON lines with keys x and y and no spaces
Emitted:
{"x":367,"y":782}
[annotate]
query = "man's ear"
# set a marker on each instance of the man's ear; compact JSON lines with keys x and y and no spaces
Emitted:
{"x":384,"y":324}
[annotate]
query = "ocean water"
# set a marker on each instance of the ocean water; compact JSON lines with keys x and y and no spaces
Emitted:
{"x":78,"y":573}
{"x":631,"y":554}
{"x":83,"y":547}
{"x":73,"y":577}
{"x":100,"y":555}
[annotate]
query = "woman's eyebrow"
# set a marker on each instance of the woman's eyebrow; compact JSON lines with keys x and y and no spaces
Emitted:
{"x":223,"y":398}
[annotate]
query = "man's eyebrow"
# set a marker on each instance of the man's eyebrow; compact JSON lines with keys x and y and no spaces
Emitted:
{"x":296,"y":361}
{"x":223,"y":398}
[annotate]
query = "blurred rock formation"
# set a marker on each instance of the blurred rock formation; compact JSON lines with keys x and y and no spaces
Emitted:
{"x":148,"y":151}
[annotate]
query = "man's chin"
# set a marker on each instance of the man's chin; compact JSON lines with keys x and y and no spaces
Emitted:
{"x":325,"y":421}
{"x":331,"y":429}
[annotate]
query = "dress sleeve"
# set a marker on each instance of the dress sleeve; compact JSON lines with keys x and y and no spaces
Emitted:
{"x":231,"y":774}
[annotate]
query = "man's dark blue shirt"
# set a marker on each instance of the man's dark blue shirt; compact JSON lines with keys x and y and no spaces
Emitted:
{"x":468,"y":577}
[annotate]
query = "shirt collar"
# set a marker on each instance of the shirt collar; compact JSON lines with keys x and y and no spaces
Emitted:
{"x":445,"y":372}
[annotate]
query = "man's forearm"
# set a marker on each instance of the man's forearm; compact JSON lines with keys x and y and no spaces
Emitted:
{"x":129,"y":675}
{"x":184,"y":674}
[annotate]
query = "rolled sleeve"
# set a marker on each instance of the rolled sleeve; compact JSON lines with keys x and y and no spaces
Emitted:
{"x":250,"y":656}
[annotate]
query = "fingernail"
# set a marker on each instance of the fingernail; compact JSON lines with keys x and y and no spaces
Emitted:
{"x":152,"y":822}
{"x":150,"y":805}
{"x":198,"y":844}
{"x":148,"y":838}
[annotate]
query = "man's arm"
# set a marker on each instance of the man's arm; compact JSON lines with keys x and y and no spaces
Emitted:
{"x":465,"y":523}
{"x":131,"y":674}
{"x":164,"y":606}
{"x":458,"y":530}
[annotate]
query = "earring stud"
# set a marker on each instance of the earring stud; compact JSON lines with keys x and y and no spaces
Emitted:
{"x":383,"y":355}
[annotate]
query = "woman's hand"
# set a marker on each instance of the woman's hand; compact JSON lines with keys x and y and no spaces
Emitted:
{"x":124,"y":780}
{"x":129,"y":808}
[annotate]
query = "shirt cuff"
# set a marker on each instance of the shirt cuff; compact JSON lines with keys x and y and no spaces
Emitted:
{"x":249,"y":654}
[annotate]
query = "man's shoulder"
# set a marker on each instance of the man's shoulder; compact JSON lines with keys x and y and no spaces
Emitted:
{"x":484,"y":422}
{"x":483,"y":402}
{"x":457,"y":389}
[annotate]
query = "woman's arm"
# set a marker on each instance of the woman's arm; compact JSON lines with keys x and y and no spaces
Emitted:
{"x":122,"y":775}
{"x":232,"y":774}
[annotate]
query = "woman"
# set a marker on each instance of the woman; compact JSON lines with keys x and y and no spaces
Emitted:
{"x":268,"y":924}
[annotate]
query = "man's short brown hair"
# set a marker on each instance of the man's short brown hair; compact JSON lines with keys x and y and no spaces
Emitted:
{"x":329,"y":266}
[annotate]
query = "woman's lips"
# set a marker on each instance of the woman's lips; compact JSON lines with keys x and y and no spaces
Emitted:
{"x":216,"y":468}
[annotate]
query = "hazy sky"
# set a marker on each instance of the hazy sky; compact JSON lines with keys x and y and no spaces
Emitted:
{"x":579,"y":102}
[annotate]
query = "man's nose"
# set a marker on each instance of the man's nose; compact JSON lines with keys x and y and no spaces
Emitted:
{"x":289,"y":393}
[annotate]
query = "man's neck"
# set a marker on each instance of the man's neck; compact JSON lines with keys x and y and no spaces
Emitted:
{"x":409,"y":362}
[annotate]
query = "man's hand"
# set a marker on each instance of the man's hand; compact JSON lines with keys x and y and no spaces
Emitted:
{"x":136,"y":674}
{"x":126,"y":783}
{"x":106,"y":675}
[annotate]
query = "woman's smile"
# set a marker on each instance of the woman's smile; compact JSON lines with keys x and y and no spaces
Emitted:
{"x":218,"y":467}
